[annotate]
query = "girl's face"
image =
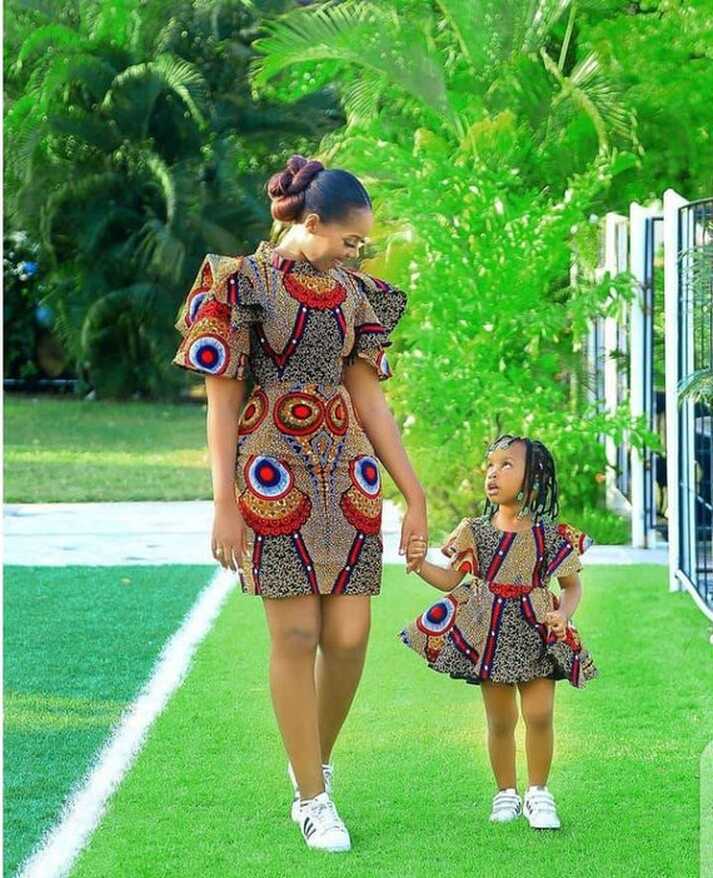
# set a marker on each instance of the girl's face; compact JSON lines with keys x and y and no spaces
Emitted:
{"x":328,"y":244}
{"x":505,"y":473}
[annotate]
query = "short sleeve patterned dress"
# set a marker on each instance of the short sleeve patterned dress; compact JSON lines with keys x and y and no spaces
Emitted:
{"x":306,"y":479}
{"x":490,"y":627}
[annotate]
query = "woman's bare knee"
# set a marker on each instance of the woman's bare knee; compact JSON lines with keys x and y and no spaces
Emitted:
{"x":294,"y":625}
{"x":295,"y":641}
{"x":344,"y":636}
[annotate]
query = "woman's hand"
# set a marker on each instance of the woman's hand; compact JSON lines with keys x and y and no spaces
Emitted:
{"x":414,"y":527}
{"x":229,"y":542}
{"x":556,"y":621}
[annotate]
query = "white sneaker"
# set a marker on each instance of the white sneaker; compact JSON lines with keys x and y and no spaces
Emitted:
{"x":507,"y":805}
{"x":540,"y":808}
{"x":327,"y":776}
{"x":322,"y":828}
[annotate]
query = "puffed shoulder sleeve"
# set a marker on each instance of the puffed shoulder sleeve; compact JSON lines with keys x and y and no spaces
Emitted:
{"x":568,"y":545}
{"x":380,"y":307}
{"x":461,"y":550}
{"x":214,"y":319}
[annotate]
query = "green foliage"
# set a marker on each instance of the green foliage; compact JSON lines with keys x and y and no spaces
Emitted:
{"x":660,"y":54}
{"x":135,"y":146}
{"x":480,"y":209}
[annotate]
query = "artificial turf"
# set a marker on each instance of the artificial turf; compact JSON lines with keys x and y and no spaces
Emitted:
{"x":78,"y":644}
{"x":209,"y":795}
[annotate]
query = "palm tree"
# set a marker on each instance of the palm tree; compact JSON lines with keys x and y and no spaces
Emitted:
{"x":134,"y":145}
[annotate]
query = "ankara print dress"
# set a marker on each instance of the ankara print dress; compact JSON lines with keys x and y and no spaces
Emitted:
{"x":490,"y":628}
{"x":306,"y":479}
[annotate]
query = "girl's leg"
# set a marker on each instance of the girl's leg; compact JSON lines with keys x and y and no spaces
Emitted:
{"x":294,"y":625}
{"x":501,"y":713}
{"x":342,"y":648}
{"x":537,"y":701}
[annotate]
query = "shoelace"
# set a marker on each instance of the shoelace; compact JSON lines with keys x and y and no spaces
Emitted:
{"x":326,"y":814}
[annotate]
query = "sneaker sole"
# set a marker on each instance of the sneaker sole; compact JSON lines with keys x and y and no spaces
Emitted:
{"x":507,"y":819}
{"x":331,"y":850}
{"x":543,"y":828}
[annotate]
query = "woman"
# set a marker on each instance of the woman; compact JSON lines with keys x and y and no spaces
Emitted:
{"x":295,"y":476}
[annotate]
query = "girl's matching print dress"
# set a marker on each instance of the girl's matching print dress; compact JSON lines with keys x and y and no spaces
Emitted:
{"x":491,"y":627}
{"x":306,"y":478}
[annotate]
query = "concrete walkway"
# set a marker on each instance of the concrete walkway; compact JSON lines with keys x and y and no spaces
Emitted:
{"x":109,"y":534}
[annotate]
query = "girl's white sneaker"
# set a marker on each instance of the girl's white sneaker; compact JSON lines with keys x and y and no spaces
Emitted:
{"x":327,"y":776}
{"x":507,"y":805}
{"x":540,"y":808}
{"x":322,"y":828}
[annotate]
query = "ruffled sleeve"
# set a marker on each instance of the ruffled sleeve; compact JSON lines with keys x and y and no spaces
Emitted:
{"x":568,"y":545}
{"x":461,"y":550}
{"x":379,"y":309}
{"x":214,"y":319}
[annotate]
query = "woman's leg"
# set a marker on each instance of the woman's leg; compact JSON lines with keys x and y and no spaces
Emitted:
{"x":537,"y":701}
{"x":501,"y":713}
{"x":294,"y":625}
{"x":342,"y":648}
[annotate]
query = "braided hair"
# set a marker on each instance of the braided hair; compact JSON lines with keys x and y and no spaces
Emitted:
{"x":539,"y":483}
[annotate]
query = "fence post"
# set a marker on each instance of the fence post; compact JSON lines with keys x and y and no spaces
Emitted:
{"x":637,"y":251}
{"x":615,"y":261}
{"x":672,"y":202}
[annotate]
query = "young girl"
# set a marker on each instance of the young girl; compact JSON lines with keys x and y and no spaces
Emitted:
{"x":505,"y":628}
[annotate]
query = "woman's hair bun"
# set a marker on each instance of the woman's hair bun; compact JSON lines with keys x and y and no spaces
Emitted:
{"x":287,"y":188}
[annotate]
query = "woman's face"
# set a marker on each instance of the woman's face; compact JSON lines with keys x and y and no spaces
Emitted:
{"x":505,"y":473}
{"x":328,"y":244}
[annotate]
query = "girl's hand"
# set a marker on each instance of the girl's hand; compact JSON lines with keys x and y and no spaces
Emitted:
{"x":556,"y":621}
{"x":229,"y":541}
{"x":414,"y":525}
{"x":416,"y":553}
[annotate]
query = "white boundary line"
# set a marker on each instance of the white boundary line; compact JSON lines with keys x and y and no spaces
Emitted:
{"x":54,"y":855}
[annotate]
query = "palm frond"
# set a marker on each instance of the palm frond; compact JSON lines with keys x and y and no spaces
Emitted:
{"x":590,"y":92}
{"x":166,"y":73}
{"x":697,"y":387}
{"x":360,"y":34}
{"x":539,"y":20}
{"x":162,"y":174}
{"x":50,"y":37}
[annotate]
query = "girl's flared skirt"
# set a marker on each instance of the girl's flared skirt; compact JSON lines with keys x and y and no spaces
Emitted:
{"x":483,"y":632}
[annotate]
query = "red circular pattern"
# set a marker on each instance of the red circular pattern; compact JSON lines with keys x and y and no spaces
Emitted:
{"x":254,"y":413}
{"x":337,"y":415}
{"x":314,"y":291}
{"x":298,"y":414}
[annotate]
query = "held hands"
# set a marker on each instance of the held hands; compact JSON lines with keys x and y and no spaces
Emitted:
{"x":416,"y":553}
{"x":556,"y":622}
{"x":229,"y":542}
{"x":414,"y":526}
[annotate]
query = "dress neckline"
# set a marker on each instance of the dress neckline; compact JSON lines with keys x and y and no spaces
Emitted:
{"x":515,"y":532}
{"x":267,"y":252}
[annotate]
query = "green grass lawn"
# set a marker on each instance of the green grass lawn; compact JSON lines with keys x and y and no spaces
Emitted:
{"x":67,"y":450}
{"x":78,"y":644}
{"x":209,"y":795}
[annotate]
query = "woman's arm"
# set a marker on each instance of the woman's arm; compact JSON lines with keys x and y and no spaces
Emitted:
{"x":226,"y":397}
{"x":361,"y":381}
